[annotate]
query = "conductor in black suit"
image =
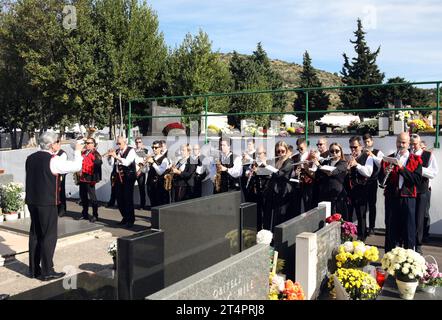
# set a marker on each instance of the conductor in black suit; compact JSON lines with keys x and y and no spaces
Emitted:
{"x":43,"y":170}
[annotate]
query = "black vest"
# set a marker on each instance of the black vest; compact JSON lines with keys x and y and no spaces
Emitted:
{"x":355,"y":177}
{"x":129,"y":171}
{"x":42,"y":186}
{"x":227,"y":181}
{"x":424,"y":185}
{"x":152,"y":175}
{"x":374,"y":175}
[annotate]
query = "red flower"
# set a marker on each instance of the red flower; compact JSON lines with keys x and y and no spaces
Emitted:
{"x":333,"y":218}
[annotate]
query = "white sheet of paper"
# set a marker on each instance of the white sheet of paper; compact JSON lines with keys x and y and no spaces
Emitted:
{"x":294,"y":180}
{"x":327,"y":168}
{"x":262,"y":171}
{"x":272,"y":169}
{"x":391,"y":160}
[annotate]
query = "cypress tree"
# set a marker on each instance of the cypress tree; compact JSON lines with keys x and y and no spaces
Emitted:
{"x":318,"y":100}
{"x":362,"y":69}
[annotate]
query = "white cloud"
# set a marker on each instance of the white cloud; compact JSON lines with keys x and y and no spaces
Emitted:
{"x":408,"y":31}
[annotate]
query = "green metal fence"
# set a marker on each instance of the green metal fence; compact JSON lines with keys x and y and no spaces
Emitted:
{"x":207,"y":96}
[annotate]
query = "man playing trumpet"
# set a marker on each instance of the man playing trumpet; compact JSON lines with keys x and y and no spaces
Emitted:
{"x":360,"y":167}
{"x":400,"y":195}
{"x":142,"y":153}
{"x":123,"y":161}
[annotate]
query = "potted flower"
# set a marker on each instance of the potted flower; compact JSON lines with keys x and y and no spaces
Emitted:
{"x":11,"y":200}
{"x":112,"y":250}
{"x":432,"y":277}
{"x":356,"y":254}
{"x":407,"y":266}
{"x":353,"y":284}
{"x":348,"y":229}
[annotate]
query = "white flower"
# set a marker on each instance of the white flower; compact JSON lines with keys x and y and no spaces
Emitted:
{"x":405,"y":270}
{"x":348,"y":246}
{"x":279,"y":282}
{"x":264,"y":237}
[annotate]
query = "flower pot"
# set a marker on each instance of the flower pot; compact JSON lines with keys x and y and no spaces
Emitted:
{"x":11,"y":216}
{"x":407,"y":289}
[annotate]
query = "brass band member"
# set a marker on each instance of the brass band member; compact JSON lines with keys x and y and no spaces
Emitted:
{"x":429,"y":171}
{"x":90,"y":175}
{"x":331,"y":183}
{"x":201,"y":172}
{"x":257,"y":182}
{"x":279,"y":192}
{"x":322,"y":152}
{"x":230,"y":167}
{"x":360,"y":167}
{"x":158,"y":165}
{"x":305,"y":174}
{"x":183,"y":175}
{"x":372,"y":182}
{"x":123,"y":161}
{"x":400,"y":195}
{"x":248,"y":158}
{"x":141,"y":154}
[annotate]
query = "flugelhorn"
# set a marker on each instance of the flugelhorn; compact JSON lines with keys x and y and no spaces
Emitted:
{"x":388,"y":171}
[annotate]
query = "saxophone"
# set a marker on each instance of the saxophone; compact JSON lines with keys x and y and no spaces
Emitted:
{"x":168,"y":178}
{"x":218,"y":176}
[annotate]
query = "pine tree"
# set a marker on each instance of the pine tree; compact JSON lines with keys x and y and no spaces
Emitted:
{"x":193,"y":68}
{"x":249,"y":75}
{"x":274,"y":79}
{"x":361,"y":70}
{"x":318,"y":100}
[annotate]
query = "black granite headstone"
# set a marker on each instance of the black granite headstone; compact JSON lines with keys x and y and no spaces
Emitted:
{"x":248,"y":225}
{"x":284,"y":237}
{"x":140,"y":264}
{"x":198,"y":233}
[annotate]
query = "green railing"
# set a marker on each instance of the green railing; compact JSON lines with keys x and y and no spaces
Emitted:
{"x":306,"y":111}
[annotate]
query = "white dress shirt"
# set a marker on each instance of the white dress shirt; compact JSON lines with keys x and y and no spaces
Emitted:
{"x":236,"y":170}
{"x":431,"y":171}
{"x":162,"y":167}
{"x":403,"y":159}
{"x":59,"y":165}
{"x":124,"y":161}
{"x":367,"y":169}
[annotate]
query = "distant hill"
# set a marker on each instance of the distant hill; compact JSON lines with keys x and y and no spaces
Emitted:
{"x":290,"y":73}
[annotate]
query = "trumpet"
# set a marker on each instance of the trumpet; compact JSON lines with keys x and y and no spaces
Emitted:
{"x":107,"y":154}
{"x":141,"y":165}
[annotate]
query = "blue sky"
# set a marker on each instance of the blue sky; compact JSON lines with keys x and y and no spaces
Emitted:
{"x":409,"y":32}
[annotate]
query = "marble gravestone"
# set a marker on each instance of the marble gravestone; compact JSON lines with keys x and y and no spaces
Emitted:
{"x":6,"y":178}
{"x":328,"y":240}
{"x":157,"y":125}
{"x":198,"y":233}
{"x":244,"y":276}
{"x":284,"y":237}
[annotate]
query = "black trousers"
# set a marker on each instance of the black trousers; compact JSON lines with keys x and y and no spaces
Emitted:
{"x":358,"y":198}
{"x":181,"y":193}
{"x":113,"y":195}
{"x":125,"y":198}
{"x":88,"y":196}
{"x":427,"y":220}
{"x":42,"y":239}
{"x":157,"y":194}
{"x":62,"y":196}
{"x":422,"y":203}
{"x":401,"y":224}
{"x":141,"y":179}
{"x":372,"y":191}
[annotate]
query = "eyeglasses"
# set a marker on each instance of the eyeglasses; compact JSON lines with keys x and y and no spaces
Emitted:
{"x":335,"y":151}
{"x":280,"y":151}
{"x":90,"y":142}
{"x":354,"y":147}
{"x":319,"y":144}
{"x":155,"y":147}
{"x":118,"y":143}
{"x":414,"y":135}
